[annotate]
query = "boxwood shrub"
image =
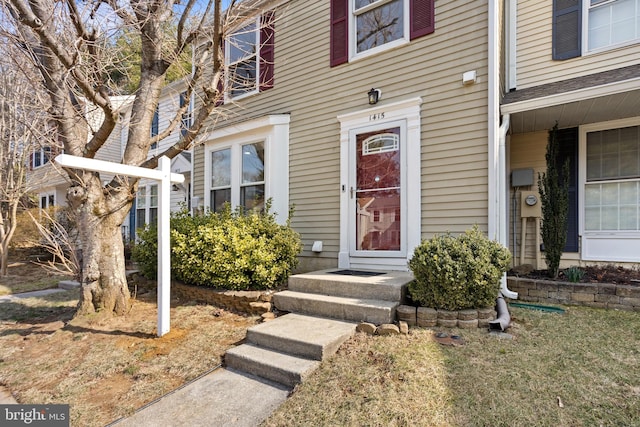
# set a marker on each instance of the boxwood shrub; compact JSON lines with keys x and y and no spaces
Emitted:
{"x":233,"y":250}
{"x":457,"y":273}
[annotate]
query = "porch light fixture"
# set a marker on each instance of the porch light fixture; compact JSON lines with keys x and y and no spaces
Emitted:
{"x":374,"y":96}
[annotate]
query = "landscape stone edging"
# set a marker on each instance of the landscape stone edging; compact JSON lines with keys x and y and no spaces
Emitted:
{"x":429,"y":317}
{"x":249,"y":302}
{"x":598,"y":295}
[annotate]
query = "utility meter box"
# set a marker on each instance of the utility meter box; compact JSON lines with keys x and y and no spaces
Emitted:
{"x":530,"y":206}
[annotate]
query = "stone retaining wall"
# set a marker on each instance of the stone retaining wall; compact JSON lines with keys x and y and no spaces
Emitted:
{"x":600,"y":295}
{"x":429,"y":317}
{"x":250,"y":302}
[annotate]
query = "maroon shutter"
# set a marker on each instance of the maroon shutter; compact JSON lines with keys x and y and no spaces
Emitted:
{"x":339,"y":32}
{"x":267,"y":37}
{"x":31,"y":161}
{"x":422,"y":14}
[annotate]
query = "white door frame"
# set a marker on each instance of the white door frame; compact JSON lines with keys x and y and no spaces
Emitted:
{"x":377,"y":117}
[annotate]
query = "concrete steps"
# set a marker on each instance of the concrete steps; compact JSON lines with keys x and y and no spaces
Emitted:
{"x":351,"y":309}
{"x":357,"y":298}
{"x":288,"y":348}
{"x":322,"y":308}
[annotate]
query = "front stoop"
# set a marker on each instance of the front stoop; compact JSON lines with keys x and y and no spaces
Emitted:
{"x":322,"y":310}
{"x":354,"y":298}
{"x":289,"y":347}
{"x":351,"y":309}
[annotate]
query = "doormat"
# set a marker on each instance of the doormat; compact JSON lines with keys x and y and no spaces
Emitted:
{"x":359,"y":273}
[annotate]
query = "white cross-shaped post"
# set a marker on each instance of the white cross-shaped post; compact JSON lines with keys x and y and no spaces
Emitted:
{"x":166,"y":178}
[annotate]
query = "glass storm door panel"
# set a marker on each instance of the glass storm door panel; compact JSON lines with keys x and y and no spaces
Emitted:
{"x":378,"y":191}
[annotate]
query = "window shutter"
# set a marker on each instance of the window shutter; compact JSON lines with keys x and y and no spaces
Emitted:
{"x":31,"y":161}
{"x":567,"y":25}
{"x":568,"y":150}
{"x":422,"y":14}
{"x":267,"y":47}
{"x":339,"y":32}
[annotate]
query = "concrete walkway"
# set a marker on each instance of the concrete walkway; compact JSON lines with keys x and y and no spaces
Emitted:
{"x":220,"y":398}
{"x":32,"y":294}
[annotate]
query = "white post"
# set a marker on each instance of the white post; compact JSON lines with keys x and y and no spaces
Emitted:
{"x":164,"y":247}
{"x":165,"y":177}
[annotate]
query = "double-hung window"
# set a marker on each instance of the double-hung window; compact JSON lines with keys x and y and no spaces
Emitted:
{"x":363,"y":27}
{"x":147,"y":205}
{"x":40,"y":157}
{"x":248,"y":163}
{"x":249,"y":57}
{"x":612,"y":188}
{"x":610,"y":174}
{"x":582,"y":26}
{"x":245,"y":187}
{"x":612,"y":22}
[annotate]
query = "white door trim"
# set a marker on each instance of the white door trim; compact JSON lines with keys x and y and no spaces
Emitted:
{"x":379,"y":115}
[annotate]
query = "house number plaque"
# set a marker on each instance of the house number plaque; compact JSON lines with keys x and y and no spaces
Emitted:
{"x":377,"y":116}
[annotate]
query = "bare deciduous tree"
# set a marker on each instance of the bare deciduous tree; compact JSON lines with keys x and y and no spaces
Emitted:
{"x":23,"y":128}
{"x":71,"y":44}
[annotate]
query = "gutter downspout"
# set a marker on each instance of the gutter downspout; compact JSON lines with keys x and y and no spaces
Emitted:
{"x":502,"y":196}
{"x":497,"y":215}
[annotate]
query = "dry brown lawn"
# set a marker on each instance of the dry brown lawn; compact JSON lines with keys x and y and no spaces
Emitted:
{"x":107,"y":367}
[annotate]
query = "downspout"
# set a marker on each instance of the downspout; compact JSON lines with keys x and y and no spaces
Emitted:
{"x":502,"y":196}
{"x":497,"y":226}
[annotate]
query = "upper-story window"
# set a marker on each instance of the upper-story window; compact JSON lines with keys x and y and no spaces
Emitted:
{"x":378,"y":22}
{"x":185,"y":122}
{"x":40,"y":157}
{"x":363,"y":27}
{"x":581,"y":26}
{"x":242,"y":51}
{"x":612,"y":22}
{"x":249,"y":56}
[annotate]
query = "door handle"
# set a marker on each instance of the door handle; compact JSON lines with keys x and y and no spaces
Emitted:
{"x":351,"y":192}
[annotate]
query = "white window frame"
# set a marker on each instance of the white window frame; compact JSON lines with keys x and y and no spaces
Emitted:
{"x":353,"y":30}
{"x":48,"y":196}
{"x":144,"y":190}
{"x":45,"y":156}
{"x":606,"y":245}
{"x":227,"y":53}
{"x":586,"y":8}
{"x":273,"y":131}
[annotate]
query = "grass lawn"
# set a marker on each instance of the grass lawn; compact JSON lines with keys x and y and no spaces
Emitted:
{"x":581,"y":368}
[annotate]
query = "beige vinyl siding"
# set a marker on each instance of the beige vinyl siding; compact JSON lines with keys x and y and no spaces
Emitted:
{"x":454,"y":117}
{"x":528,"y":151}
{"x":535,"y":65}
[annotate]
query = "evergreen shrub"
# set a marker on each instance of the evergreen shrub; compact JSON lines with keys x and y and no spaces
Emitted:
{"x":457,"y":273}
{"x":234,"y":250}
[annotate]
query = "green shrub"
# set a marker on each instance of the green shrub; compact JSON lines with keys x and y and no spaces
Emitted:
{"x":457,"y":273}
{"x":232,"y":250}
{"x":145,"y":251}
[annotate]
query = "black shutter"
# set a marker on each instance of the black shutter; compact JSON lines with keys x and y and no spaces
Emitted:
{"x":568,"y":150}
{"x":567,"y":25}
{"x":339,"y":32}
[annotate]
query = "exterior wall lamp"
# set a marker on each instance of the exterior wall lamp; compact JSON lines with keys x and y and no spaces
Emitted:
{"x":374,"y":96}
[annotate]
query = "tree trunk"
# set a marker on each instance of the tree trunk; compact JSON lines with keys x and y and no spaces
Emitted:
{"x":104,"y":281}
